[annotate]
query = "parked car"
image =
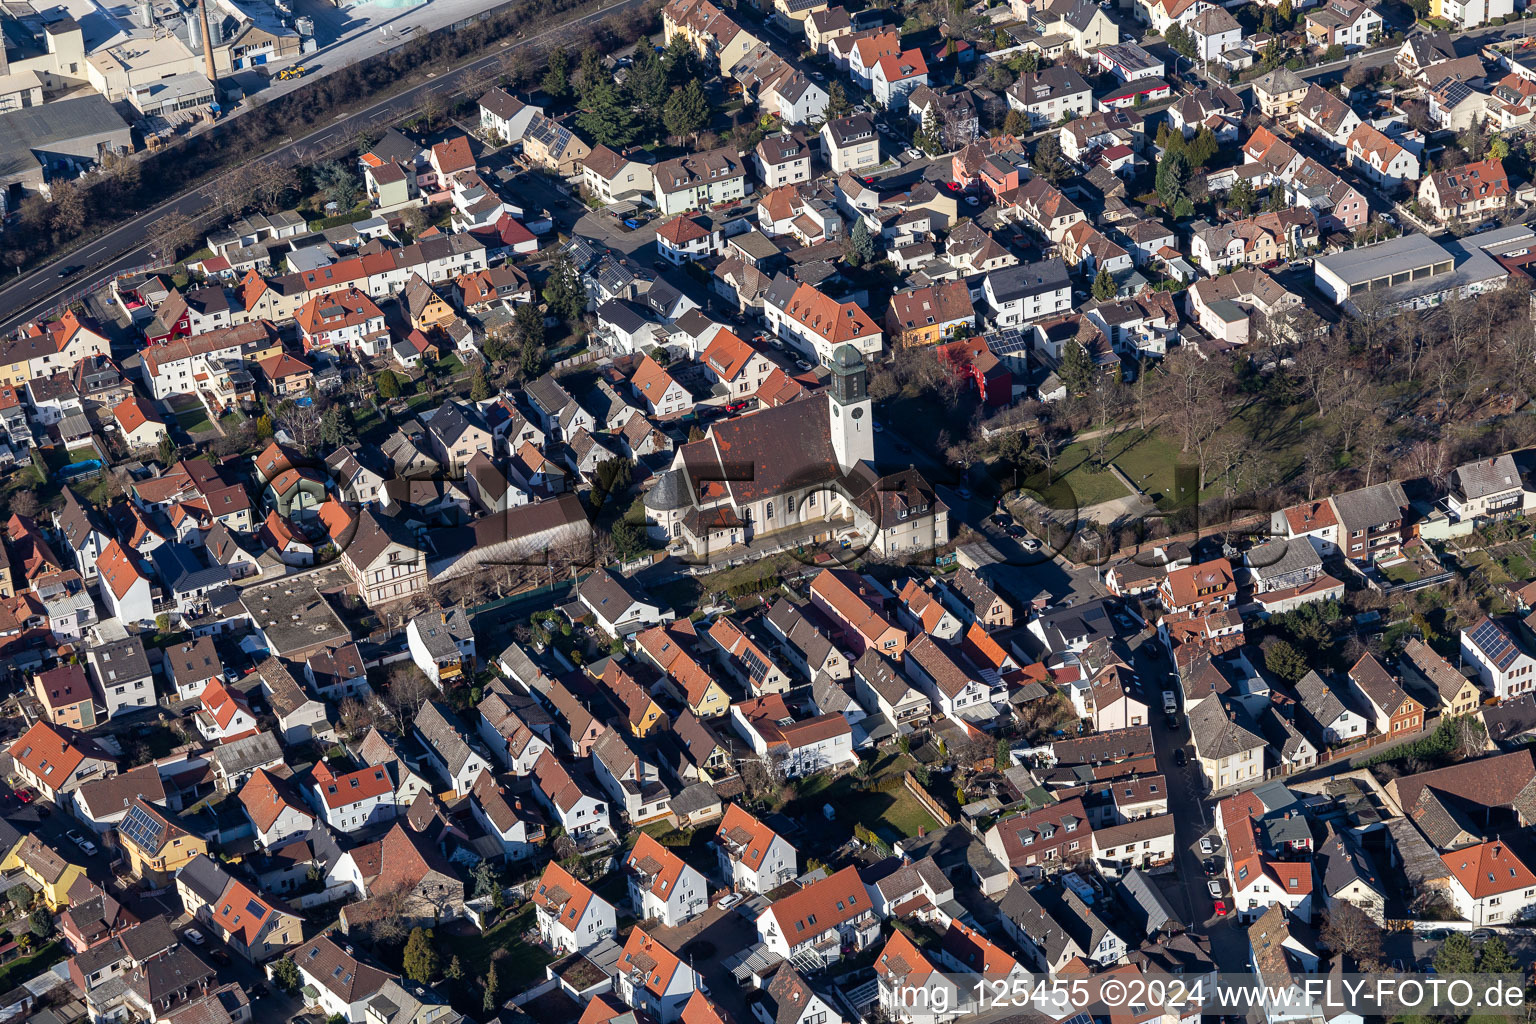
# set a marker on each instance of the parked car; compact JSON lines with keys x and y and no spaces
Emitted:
{"x":1208,"y":844}
{"x":1172,"y":722}
{"x":193,"y":936}
{"x":1214,"y":887}
{"x":219,"y":956}
{"x":1179,"y":760}
{"x":1221,"y":908}
{"x":87,"y":847}
{"x":1211,"y":867}
{"x":729,"y":900}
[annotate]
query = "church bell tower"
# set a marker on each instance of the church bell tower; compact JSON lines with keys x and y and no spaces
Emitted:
{"x":853,"y":429}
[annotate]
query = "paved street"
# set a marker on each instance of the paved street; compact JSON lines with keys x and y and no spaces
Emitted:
{"x":125,"y":248}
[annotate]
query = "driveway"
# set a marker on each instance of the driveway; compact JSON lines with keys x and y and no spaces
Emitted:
{"x":705,"y":942}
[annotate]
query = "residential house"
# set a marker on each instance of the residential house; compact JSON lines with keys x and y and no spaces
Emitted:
{"x":569,"y":915}
{"x":662,"y":886}
{"x":753,"y":857}
{"x":1503,"y":662}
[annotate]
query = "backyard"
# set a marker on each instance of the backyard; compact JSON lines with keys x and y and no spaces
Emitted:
{"x":523,"y":964}
{"x":883,"y":805}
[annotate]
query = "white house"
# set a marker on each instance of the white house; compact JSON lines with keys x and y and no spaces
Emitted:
{"x":652,"y":979}
{"x":342,"y":985}
{"x":753,"y":857}
{"x":448,"y":748}
{"x":1490,"y":884}
{"x":570,"y":916}
{"x":441,"y":643}
{"x":276,"y":810}
{"x":1505,"y":667}
{"x":619,"y":604}
{"x":958,"y":689}
{"x":505,"y":816}
{"x":663,"y":886}
{"x":805,"y":746}
{"x":583,"y":815}
{"x":352,"y":801}
{"x":816,"y":923}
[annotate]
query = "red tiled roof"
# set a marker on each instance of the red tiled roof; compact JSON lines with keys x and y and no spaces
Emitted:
{"x":353,"y":787}
{"x":820,"y":906}
{"x":746,"y":832}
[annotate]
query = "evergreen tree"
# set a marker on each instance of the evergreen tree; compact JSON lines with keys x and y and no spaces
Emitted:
{"x":1049,"y":163}
{"x":1284,"y":660}
{"x":930,"y":137}
{"x":1076,"y":369}
{"x":1493,"y":957}
{"x":167,"y":450}
{"x":1173,"y":174}
{"x":336,"y":426}
{"x":1104,"y":287}
{"x":528,"y":323}
{"x":455,"y":970}
{"x":285,"y":975}
{"x":479,"y":386}
{"x":1456,"y":955}
{"x":264,"y":429}
{"x":605,"y":117}
{"x":837,"y":101}
{"x":563,"y":290}
{"x":1016,"y":123}
{"x":388,"y":385}
{"x":1284,"y":12}
{"x":1180,"y":41}
{"x":687,"y":111}
{"x":421,"y":959}
{"x":648,"y":89}
{"x":492,"y":983}
{"x":861,"y":245}
{"x":589,"y":75}
{"x":1498,"y":149}
{"x":1242,"y":197}
{"x":681,"y":62}
{"x":1202,"y":147}
{"x":557,"y":78}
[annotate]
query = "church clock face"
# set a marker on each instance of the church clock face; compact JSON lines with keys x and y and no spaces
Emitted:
{"x":858,"y":413}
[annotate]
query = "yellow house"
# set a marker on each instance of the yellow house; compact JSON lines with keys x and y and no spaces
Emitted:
{"x":639,"y":708}
{"x":711,"y":32}
{"x":706,"y":699}
{"x":1458,"y":694}
{"x":793,"y":12}
{"x":54,"y":875}
{"x":157,"y":845}
{"x":668,"y":648}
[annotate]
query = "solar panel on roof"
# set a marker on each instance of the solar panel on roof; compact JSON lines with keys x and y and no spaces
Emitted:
{"x":256,"y":910}
{"x":142,"y":829}
{"x":1008,"y":341}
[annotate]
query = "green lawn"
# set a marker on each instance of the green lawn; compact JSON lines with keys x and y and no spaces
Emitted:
{"x":1518,"y":565}
{"x":891,"y":815}
{"x":1402,"y":572}
{"x":523,"y":966}
{"x":1088,"y":484}
{"x":194,"y":419}
{"x":27,"y":967}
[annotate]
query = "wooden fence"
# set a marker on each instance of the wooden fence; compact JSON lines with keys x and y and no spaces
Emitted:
{"x":926,"y":799}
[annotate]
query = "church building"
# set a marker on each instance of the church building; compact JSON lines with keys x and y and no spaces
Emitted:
{"x":805,"y":466}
